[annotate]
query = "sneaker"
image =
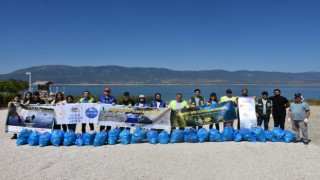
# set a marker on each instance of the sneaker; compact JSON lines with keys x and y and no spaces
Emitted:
{"x":305,"y":142}
{"x":14,"y":136}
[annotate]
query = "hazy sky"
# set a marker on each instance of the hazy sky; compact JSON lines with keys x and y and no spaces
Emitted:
{"x":269,"y":35}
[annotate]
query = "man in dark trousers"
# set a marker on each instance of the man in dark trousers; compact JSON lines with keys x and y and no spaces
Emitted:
{"x":279,"y":106}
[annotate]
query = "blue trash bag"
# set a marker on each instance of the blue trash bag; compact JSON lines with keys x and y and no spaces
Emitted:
{"x":288,"y":136}
{"x":270,"y":136}
{"x":279,"y":133}
{"x":152,"y":137}
{"x":57,"y":137}
{"x":237,"y":136}
{"x":113,"y":136}
{"x":227,"y":134}
{"x":203,"y":135}
{"x":215,"y":135}
{"x":163,"y":137}
{"x":100,"y":139}
{"x":33,"y":139}
{"x":177,"y":136}
{"x":125,"y":136}
{"x":259,"y":134}
{"x":190,"y":135}
{"x":248,"y":135}
{"x":23,"y":137}
{"x":69,"y":138}
{"x":88,"y":138}
{"x":44,"y":139}
{"x":79,"y":141}
{"x":138,"y":135}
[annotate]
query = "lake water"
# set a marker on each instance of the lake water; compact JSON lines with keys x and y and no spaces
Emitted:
{"x":168,"y":92}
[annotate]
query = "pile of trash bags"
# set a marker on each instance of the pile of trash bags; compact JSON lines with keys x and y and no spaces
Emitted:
{"x":189,"y":135}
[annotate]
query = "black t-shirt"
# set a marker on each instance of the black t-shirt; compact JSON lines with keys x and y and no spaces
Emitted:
{"x":278,"y":104}
{"x":38,"y":101}
{"x":127,"y":102}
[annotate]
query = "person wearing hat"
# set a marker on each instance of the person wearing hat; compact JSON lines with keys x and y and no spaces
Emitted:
{"x":126,"y":100}
{"x":107,"y":99}
{"x":279,"y":106}
{"x":298,"y":115}
{"x":87,"y":99}
{"x":264,"y":110}
{"x":142,"y":102}
{"x":37,"y":99}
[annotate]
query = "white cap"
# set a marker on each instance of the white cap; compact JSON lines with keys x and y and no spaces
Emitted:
{"x":141,"y":96}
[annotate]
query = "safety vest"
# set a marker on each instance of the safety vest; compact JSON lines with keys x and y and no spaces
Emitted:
{"x":193,"y":100}
{"x":173,"y":104}
{"x":260,"y":107}
{"x":226,"y":98}
{"x":82,"y":100}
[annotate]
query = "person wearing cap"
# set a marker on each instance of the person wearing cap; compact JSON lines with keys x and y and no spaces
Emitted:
{"x":107,"y":99}
{"x":197,"y":99}
{"x":157,"y":102}
{"x":87,"y":99}
{"x":264,"y":110}
{"x":126,"y":101}
{"x":298,"y":115}
{"x":37,"y":99}
{"x":279,"y":106}
{"x":142,"y":102}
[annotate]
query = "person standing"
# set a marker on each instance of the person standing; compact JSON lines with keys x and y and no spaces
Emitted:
{"x":87,"y":99}
{"x":176,"y":106}
{"x":213,"y":100}
{"x":264,"y":110}
{"x":37,"y":99}
{"x":142,"y":102}
{"x":229,"y":98}
{"x":197,"y":99}
{"x":157,"y":102}
{"x":107,"y":99}
{"x":279,"y":106}
{"x":59,"y":100}
{"x":16,"y":101}
{"x":70,"y":100}
{"x":298,"y":115}
{"x":28,"y":98}
{"x":126,"y":100}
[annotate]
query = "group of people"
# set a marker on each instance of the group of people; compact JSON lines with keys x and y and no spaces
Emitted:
{"x":266,"y":107}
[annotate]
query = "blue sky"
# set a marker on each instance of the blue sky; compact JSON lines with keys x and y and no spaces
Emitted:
{"x":269,"y":35}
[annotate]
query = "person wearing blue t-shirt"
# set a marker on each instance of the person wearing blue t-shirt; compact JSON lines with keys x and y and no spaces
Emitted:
{"x":157,"y":102}
{"x":298,"y":114}
{"x":142,"y":102}
{"x":107,"y":99}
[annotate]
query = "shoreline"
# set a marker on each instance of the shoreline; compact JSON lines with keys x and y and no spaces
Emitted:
{"x":314,"y":85}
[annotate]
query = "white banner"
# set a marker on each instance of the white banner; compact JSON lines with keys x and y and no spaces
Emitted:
{"x":247,"y":112}
{"x":77,"y":113}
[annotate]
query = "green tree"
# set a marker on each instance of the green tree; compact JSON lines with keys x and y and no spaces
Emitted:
{"x":12,"y":86}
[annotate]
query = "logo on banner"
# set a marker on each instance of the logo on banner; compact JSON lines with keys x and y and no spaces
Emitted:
{"x":91,"y":112}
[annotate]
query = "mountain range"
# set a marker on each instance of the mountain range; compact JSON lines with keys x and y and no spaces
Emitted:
{"x":62,"y":74}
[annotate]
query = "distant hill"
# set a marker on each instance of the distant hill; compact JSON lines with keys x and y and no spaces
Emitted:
{"x":61,"y":74}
